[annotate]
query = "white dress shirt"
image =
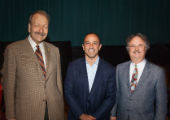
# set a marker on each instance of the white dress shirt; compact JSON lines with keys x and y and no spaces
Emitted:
{"x":41,"y":46}
{"x":140,"y":67}
{"x":91,"y":72}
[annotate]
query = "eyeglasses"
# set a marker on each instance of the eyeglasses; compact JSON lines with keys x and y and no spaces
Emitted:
{"x":136,"y":46}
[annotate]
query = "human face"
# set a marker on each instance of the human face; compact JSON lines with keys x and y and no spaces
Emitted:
{"x":38,"y":28}
{"x":137,"y":49}
{"x":91,"y":46}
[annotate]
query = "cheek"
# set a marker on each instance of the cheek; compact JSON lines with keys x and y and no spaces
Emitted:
{"x":85,"y":48}
{"x":45,"y":30}
{"x":143,"y":52}
{"x":33,"y":30}
{"x":131,"y":51}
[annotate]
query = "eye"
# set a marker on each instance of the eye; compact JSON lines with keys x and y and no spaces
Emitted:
{"x":95,"y":43}
{"x":46,"y":26}
{"x":141,"y":46}
{"x":131,"y":46}
{"x":87,"y":43}
{"x":36,"y":25}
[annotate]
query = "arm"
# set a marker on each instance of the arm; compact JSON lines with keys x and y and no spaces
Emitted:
{"x":9,"y":79}
{"x":59,"y":76}
{"x":68,"y":90}
{"x":110,"y":97}
{"x":161,"y":97}
{"x":114,"y":109}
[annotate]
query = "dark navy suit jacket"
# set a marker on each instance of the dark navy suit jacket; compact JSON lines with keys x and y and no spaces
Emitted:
{"x":100,"y":100}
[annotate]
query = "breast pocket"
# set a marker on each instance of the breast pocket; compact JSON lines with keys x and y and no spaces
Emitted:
{"x":27,"y":65}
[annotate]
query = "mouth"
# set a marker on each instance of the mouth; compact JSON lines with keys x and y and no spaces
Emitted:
{"x":91,"y":50}
{"x":41,"y":34}
{"x":136,"y":52}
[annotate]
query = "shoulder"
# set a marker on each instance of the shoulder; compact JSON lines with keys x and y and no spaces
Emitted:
{"x":51,"y":46}
{"x":77,"y":64}
{"x":15,"y":45}
{"x":78,"y":61}
{"x":155,"y":68}
{"x":106,"y":64}
{"x":106,"y":67}
{"x":123,"y":65}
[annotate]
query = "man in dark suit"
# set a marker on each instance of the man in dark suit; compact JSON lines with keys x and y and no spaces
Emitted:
{"x":32,"y":75}
{"x":141,"y":89}
{"x":90,"y":84}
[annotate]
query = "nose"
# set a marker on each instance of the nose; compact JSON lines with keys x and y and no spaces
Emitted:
{"x":41,"y":29}
{"x":136,"y":47}
{"x":91,"y":45}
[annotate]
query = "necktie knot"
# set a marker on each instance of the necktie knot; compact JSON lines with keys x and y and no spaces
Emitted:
{"x":38,"y":48}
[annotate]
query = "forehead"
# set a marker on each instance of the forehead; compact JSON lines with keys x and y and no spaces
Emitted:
{"x":91,"y":38}
{"x":39,"y":18}
{"x":137,"y":40}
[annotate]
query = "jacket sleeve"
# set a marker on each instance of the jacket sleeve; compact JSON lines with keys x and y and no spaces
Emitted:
{"x":114,"y":109}
{"x":59,"y":76}
{"x":68,"y":91}
{"x":9,"y":79}
{"x":161,"y":97}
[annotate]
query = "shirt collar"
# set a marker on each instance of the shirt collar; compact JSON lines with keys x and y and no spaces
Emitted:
{"x":139,"y":64}
{"x":33,"y":44}
{"x":96,"y":62}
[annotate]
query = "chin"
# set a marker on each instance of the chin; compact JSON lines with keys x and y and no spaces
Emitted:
{"x":40,"y":40}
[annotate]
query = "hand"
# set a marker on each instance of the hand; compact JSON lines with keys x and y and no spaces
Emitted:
{"x":86,"y":117}
{"x":112,"y":118}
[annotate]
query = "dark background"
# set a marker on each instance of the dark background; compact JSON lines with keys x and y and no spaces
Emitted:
{"x":113,"y":20}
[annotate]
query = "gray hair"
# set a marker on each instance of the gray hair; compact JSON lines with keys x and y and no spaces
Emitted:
{"x":41,"y":12}
{"x":143,"y":37}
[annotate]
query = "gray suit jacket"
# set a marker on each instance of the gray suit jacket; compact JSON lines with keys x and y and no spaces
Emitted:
{"x":26,"y":89}
{"x":149,"y":100}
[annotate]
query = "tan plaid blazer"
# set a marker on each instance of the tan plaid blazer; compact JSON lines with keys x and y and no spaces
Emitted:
{"x":25,"y":88}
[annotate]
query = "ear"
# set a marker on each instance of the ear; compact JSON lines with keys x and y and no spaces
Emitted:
{"x":127,"y":48}
{"x":29,"y":27}
{"x":100,"y":46}
{"x":83,"y":46}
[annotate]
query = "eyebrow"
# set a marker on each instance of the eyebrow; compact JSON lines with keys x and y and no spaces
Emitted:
{"x":92,"y":41}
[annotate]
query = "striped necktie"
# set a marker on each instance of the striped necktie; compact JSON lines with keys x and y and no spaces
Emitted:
{"x":133,"y":82}
{"x":40,"y":60}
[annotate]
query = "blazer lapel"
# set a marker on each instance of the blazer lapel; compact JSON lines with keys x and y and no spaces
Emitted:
{"x":127,"y":77}
{"x":29,"y":50}
{"x":96,"y":78}
{"x":47,"y":55}
{"x":85,"y":76}
{"x":32,"y":55}
{"x":144,"y":76}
